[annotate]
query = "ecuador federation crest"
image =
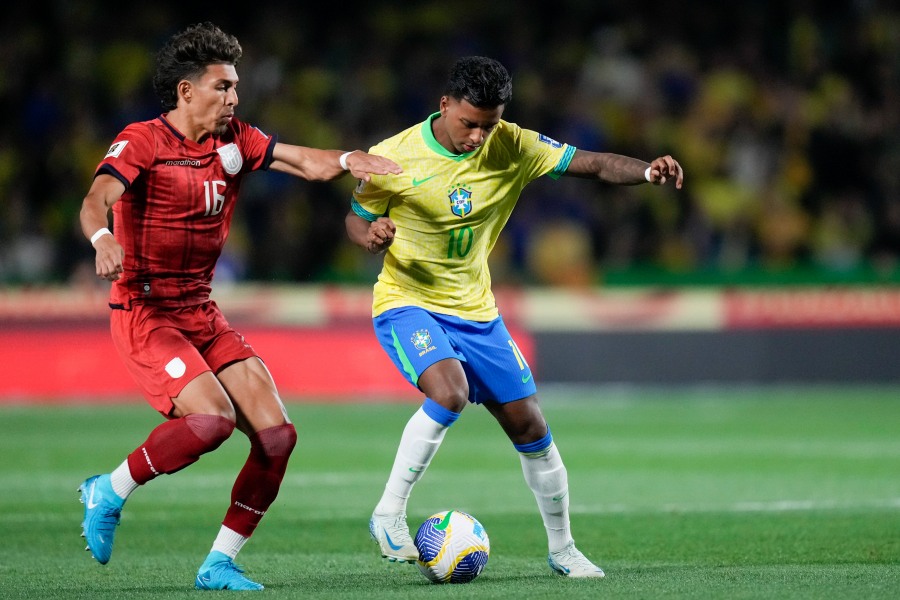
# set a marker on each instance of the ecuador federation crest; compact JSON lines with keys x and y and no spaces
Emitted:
{"x":231,"y":158}
{"x":460,"y":201}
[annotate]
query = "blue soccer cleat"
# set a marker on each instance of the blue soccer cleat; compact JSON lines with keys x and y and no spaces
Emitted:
{"x":218,"y":572}
{"x":102,"y":509}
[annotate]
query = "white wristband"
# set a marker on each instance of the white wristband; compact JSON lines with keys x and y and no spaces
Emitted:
{"x":343,"y":160}
{"x":100,"y":233}
{"x":647,"y":174}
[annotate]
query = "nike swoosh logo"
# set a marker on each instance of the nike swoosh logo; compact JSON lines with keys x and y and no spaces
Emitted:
{"x":390,"y":541}
{"x":418,"y":182}
{"x":445,"y":522}
{"x":91,"y":504}
{"x":526,"y":378}
{"x":560,"y":498}
{"x":415,"y":470}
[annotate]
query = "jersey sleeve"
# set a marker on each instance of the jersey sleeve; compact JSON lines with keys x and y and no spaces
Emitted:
{"x":543,"y":155}
{"x":371,"y":199}
{"x":256,"y":146}
{"x":130,"y":154}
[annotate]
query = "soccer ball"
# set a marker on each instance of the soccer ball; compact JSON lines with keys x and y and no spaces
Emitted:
{"x":453,"y":547}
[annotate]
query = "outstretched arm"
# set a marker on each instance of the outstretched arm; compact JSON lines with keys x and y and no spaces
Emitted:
{"x":375,"y":236}
{"x":324,"y":165}
{"x":624,"y":170}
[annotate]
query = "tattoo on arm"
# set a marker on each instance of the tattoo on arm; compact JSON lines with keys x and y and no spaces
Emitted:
{"x":608,"y":167}
{"x":619,"y":169}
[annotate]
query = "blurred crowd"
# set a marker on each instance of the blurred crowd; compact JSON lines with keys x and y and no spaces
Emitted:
{"x":785,"y":117}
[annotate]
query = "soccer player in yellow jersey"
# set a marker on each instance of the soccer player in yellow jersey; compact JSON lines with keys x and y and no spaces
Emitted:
{"x":434,"y":313}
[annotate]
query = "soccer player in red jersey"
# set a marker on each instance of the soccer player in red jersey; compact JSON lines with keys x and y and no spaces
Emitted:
{"x":172,"y":183}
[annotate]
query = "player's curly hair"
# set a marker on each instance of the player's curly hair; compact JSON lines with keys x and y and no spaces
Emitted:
{"x":186,"y":56}
{"x":482,"y":82}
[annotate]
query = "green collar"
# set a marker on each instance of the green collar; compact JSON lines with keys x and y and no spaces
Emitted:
{"x":431,"y":142}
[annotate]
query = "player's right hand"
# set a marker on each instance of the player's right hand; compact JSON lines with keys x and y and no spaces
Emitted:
{"x":362,"y":165}
{"x":381,"y":235}
{"x":110,"y":256}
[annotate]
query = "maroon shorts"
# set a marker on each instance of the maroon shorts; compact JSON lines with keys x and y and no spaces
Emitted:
{"x":164,"y":349}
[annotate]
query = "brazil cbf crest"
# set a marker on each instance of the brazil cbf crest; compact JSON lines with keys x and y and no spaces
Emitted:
{"x":460,"y":200}
{"x":421,"y":339}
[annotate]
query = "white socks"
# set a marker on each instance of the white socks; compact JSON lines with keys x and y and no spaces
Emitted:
{"x":420,"y":441}
{"x":546,"y":475}
{"x":229,"y":542}
{"x":122,"y":482}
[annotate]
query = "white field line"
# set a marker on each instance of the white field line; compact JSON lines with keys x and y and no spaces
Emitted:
{"x":770,"y":506}
{"x":334,"y":511}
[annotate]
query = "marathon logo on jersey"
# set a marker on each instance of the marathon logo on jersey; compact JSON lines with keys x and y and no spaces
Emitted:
{"x":231,"y":158}
{"x":548,"y":140}
{"x":116,"y":149}
{"x":460,"y":201}
{"x":422,"y":341}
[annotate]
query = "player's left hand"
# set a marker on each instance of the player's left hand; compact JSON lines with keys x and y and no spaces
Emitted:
{"x":363,"y":165}
{"x":380,"y":235}
{"x":665,"y":168}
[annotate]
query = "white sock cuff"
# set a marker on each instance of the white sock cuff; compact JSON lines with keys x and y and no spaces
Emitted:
{"x":229,"y":542}
{"x":122,"y":481}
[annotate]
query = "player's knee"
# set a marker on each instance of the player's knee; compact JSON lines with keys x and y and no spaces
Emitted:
{"x":452,"y":398}
{"x":278,"y":441}
{"x":528,"y":433}
{"x":445,"y":383}
{"x":212,"y":430}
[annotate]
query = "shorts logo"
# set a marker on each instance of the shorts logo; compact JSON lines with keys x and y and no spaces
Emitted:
{"x":116,"y":149}
{"x":231,"y":158}
{"x":422,"y":341}
{"x":460,"y":201}
{"x":176,"y":368}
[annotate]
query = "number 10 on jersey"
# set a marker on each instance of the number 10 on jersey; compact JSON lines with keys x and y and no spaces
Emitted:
{"x":460,"y":242}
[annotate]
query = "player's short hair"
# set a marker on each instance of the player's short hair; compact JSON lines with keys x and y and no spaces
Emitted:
{"x":482,"y":82}
{"x":186,"y":56}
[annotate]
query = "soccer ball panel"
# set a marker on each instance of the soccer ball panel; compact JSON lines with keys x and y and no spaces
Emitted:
{"x":453,"y":547}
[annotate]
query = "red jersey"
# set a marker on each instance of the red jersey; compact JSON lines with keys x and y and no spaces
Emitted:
{"x":175,"y":214}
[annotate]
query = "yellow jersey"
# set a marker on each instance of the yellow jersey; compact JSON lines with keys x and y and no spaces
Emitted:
{"x":449,"y":210}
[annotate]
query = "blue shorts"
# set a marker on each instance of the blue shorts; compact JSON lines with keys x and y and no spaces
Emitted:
{"x":415,"y":339}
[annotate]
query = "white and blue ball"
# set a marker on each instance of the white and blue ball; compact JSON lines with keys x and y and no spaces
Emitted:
{"x":453,"y":547}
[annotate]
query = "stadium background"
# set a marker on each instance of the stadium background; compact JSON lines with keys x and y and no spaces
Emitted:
{"x":777,"y":262}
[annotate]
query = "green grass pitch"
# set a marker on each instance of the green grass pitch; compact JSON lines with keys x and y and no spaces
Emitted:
{"x":718,"y":493}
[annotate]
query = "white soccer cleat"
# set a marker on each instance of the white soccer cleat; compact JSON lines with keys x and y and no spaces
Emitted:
{"x":391,"y":534}
{"x":572,"y":563}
